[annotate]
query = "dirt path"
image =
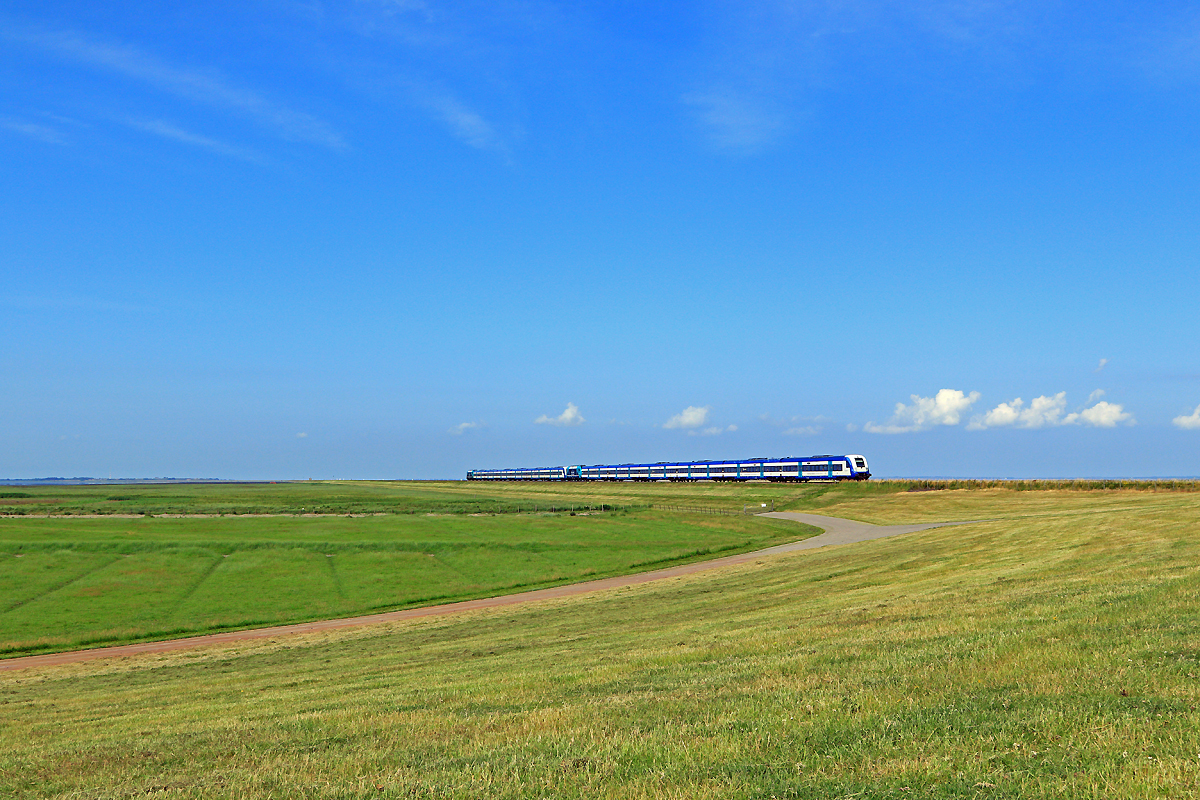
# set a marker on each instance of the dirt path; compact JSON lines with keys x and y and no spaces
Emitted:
{"x":837,"y":532}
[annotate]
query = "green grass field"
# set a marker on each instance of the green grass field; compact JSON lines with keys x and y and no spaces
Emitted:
{"x":461,"y":497}
{"x":370,"y":497}
{"x":1052,"y":651}
{"x":67,"y":582}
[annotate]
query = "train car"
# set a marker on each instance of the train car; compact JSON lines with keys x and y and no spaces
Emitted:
{"x":533,"y":474}
{"x":812,"y":468}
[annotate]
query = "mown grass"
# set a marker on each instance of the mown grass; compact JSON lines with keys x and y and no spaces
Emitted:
{"x":1049,"y":652}
{"x":67,"y":582}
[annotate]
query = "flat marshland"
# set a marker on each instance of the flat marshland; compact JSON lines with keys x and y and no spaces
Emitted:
{"x":1049,"y":651}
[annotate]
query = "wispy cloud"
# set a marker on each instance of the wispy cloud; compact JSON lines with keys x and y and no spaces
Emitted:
{"x":944,"y":408}
{"x":713,"y":431}
{"x":459,"y":64}
{"x":200,"y":87}
{"x":799,"y":426}
{"x":42,"y":133}
{"x":762,"y":68}
{"x":464,"y":123}
{"x":736,"y":119}
{"x":690,"y":417}
{"x":1188,"y":422}
{"x":1102,"y":365}
{"x":803,"y":430}
{"x":177,"y":134}
{"x":463,"y":427}
{"x":569,"y":417}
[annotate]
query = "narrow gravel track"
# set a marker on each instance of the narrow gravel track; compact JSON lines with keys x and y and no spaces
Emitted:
{"x":837,"y":532}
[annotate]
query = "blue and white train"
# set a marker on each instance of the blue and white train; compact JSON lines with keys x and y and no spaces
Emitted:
{"x":812,"y":468}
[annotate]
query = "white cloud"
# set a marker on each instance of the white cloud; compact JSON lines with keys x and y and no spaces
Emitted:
{"x":1189,"y":422}
{"x":463,"y":427}
{"x":1096,"y":395}
{"x":944,"y":408}
{"x":1047,"y":412}
{"x":804,"y":430}
{"x":1003,"y":414}
{"x":569,"y":417}
{"x":301,"y":435}
{"x":690,"y":417}
{"x":1043,"y":412}
{"x":1101,"y":415}
{"x":1103,"y":364}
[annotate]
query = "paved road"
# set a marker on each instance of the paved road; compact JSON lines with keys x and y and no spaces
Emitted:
{"x":842,"y":531}
{"x":837,"y":532}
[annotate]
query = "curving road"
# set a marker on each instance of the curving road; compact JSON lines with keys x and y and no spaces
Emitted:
{"x":837,"y":532}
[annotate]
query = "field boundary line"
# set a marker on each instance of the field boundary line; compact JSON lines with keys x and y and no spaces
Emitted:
{"x":837,"y":531}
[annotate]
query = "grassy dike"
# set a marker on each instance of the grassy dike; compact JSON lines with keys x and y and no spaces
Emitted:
{"x":1051,"y":651}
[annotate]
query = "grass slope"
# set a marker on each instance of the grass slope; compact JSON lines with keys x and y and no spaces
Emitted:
{"x":1050,"y":652}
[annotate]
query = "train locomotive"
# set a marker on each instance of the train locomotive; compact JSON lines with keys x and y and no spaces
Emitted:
{"x":811,"y":468}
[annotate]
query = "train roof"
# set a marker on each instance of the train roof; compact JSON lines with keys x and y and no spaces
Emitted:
{"x":724,"y":461}
{"x":512,"y":469}
{"x":669,"y":463}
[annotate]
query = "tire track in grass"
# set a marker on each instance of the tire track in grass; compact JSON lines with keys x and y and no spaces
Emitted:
{"x":478,"y":578}
{"x":58,"y":587}
{"x":196,"y":584}
{"x":330,"y":558}
{"x":467,"y":581}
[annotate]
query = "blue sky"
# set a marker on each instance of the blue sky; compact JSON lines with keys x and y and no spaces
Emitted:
{"x":405,"y":238}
